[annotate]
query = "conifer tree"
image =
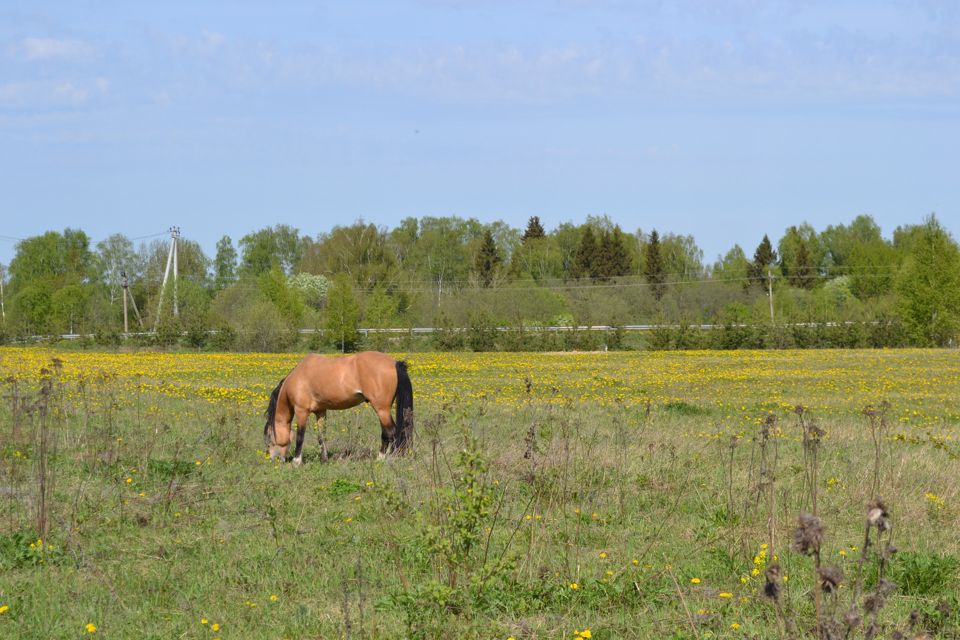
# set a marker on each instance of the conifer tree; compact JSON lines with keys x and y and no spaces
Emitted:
{"x":802,"y":273}
{"x":224,"y":264}
{"x":534,"y":230}
{"x":585,"y":260}
{"x":487,"y":260}
{"x":653,"y":271}
{"x":763,"y":258}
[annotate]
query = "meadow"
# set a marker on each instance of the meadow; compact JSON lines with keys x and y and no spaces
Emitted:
{"x":557,"y":495}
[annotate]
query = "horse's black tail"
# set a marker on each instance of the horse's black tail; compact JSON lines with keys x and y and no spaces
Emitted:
{"x":271,"y":411}
{"x":404,"y":419}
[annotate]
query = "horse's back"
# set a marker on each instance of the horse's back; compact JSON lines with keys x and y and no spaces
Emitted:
{"x":339,"y":382}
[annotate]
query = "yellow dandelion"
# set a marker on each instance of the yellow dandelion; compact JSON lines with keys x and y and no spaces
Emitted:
{"x":215,"y":626}
{"x":574,"y":586}
{"x":5,"y":608}
{"x":603,"y":555}
{"x":204,"y":621}
{"x":274,"y":598}
{"x":695,"y":580}
{"x":735,"y":626}
{"x":91,"y":628}
{"x":726,"y":594}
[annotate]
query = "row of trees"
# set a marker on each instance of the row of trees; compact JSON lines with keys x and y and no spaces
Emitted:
{"x":451,"y":272}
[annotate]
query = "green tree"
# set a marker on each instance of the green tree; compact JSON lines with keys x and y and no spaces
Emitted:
{"x":443,"y":250}
{"x":361,"y":250}
{"x":795,"y":240}
{"x":487,"y":260}
{"x":278,"y":246}
{"x":224,"y":264}
{"x":275,"y":287}
{"x":872,"y":266}
{"x":929,"y":286}
{"x":653,"y":269}
{"x":840,"y":243}
{"x":116,"y":256}
{"x":681,"y":257}
{"x":31,"y":308}
{"x":733,"y":266}
{"x":533,"y":231}
{"x":587,"y":255}
{"x":537,"y":258}
{"x":613,"y":257}
{"x":380,"y":310}
{"x":763,"y":259}
{"x":68,"y":307}
{"x":802,"y":273}
{"x":57,"y":258}
{"x":343,"y":314}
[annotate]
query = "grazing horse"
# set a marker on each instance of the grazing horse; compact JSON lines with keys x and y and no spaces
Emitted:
{"x":319,"y":383}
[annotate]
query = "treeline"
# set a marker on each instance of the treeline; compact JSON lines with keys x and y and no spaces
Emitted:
{"x":846,"y":285}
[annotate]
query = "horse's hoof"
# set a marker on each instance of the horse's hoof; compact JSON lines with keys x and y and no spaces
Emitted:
{"x":298,"y":461}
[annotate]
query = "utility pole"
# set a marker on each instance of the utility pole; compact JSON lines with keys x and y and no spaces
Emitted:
{"x":171,"y":260}
{"x":126,"y":293}
{"x":123,"y":283}
{"x":3,"y":312}
{"x":174,"y":237}
{"x":770,"y":293}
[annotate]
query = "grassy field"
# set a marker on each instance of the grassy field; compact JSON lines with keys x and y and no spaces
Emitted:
{"x":604,"y":495}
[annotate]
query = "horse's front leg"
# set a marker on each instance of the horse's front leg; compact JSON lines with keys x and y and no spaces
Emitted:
{"x":302,"y":417}
{"x":321,"y":434}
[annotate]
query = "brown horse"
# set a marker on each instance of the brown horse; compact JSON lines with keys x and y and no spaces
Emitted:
{"x":320,"y":383}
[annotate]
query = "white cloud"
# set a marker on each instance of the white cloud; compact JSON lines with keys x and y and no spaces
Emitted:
{"x":46,"y":94}
{"x":53,"y":48}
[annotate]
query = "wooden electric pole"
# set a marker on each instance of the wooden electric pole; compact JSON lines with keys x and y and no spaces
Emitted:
{"x":126,"y":293}
{"x":770,"y":293}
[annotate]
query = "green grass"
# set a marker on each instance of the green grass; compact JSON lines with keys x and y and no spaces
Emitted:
{"x":480,"y":533}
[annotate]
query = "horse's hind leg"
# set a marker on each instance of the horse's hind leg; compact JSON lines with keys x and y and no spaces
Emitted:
{"x":302,"y":416}
{"x":321,"y":433}
{"x":388,"y":431}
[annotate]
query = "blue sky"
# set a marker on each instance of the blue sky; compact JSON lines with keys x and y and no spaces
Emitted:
{"x":724,"y":120}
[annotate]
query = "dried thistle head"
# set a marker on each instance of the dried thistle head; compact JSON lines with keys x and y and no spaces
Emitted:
{"x":830,"y":578}
{"x":771,"y":588}
{"x":852,"y":618}
{"x":799,"y":409}
{"x":815,"y":432}
{"x":875,"y":601}
{"x":808,"y":536}
{"x":914,"y":619}
{"x":877,"y":515}
{"x":886,"y":588}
